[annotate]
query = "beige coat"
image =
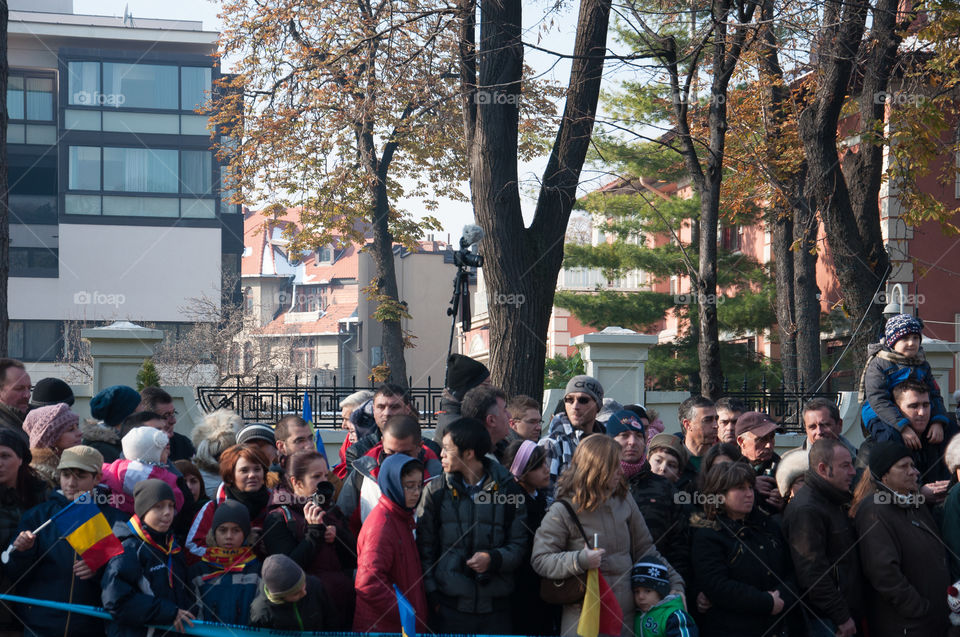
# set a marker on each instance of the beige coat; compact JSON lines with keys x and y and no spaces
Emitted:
{"x":621,"y":531}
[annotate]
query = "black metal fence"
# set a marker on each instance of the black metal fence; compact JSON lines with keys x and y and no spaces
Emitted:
{"x":268,"y":402}
{"x":784,"y":407}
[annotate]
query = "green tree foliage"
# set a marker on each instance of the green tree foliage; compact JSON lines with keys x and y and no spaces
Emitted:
{"x":560,"y":369}
{"x":148,"y":376}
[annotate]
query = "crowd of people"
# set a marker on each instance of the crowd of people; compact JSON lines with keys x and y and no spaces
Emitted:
{"x":491,"y":526}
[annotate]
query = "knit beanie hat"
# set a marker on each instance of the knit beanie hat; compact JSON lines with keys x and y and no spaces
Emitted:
{"x":281,"y":577}
{"x":256,"y":431}
{"x":148,"y":494}
{"x":232,"y":511}
{"x":17,"y":441}
{"x":587,"y":385}
{"x":463,"y":374}
{"x":622,"y":421}
{"x":884,"y":455}
{"x":650,"y":573}
{"x":669,"y":442}
{"x":50,"y":391}
{"x":145,"y":444}
{"x":899,"y":326}
{"x":114,"y":404}
{"x":45,"y":425}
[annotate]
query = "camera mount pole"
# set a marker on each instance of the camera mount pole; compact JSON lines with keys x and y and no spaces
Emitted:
{"x":460,"y":304}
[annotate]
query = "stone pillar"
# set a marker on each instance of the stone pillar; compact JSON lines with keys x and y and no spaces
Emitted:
{"x":118,"y":352}
{"x":942,"y":355}
{"x":617,"y":358}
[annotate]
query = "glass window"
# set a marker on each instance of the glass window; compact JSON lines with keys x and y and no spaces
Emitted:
{"x":140,"y":85}
{"x":83,"y":83}
{"x":141,"y":206}
{"x":139,"y":170}
{"x":42,"y":340}
{"x":84,"y":168}
{"x":196,"y":169}
{"x":194,"y":87}
{"x":141,"y":122}
{"x":40,"y":98}
{"x":15,"y":97}
{"x":33,"y":262}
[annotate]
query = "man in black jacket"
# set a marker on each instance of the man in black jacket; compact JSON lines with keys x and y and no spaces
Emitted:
{"x":823,"y":541}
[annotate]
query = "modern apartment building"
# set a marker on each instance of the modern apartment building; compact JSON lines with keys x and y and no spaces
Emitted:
{"x":115,"y":200}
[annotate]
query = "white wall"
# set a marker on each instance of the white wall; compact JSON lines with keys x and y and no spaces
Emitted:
{"x":138,"y":273}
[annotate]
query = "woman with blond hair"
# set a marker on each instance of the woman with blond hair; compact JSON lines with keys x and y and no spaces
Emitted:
{"x":594,"y":487}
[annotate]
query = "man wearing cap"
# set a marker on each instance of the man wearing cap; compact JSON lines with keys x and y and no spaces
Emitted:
{"x":655,"y":495}
{"x":14,"y":393}
{"x":822,"y":540}
{"x":581,"y":403}
{"x":756,"y":434}
{"x":111,"y":406}
{"x":901,"y":551}
{"x":45,"y":566}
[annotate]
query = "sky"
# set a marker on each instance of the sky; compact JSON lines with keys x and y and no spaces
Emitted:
{"x":452,"y":215}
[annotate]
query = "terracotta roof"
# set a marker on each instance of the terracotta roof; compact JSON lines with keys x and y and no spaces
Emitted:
{"x":327,"y":324}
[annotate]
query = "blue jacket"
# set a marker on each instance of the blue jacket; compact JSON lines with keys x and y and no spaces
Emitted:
{"x":46,"y":572}
{"x":225,"y":599}
{"x":885,"y":369}
{"x":136,"y":587}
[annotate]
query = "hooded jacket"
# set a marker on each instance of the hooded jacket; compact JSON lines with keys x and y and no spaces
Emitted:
{"x":121,"y":476}
{"x":387,"y":556}
{"x":45,"y":571}
{"x":822,"y":541}
{"x":453,"y":526}
{"x":885,"y":369}
{"x":104,"y":439}
{"x":905,"y":566}
{"x":136,"y":588}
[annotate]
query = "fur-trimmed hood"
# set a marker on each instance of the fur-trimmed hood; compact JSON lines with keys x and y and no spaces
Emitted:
{"x":93,"y":431}
{"x":45,"y":462}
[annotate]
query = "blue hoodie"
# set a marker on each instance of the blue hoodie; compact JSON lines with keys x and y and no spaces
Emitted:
{"x":389,"y":477}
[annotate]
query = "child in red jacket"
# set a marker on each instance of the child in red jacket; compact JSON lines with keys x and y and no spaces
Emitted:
{"x":387,"y":551}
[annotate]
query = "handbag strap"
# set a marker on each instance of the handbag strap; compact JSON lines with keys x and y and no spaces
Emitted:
{"x":573,"y":515}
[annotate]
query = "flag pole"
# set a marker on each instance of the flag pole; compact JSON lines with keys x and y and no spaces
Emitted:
{"x":5,"y":558}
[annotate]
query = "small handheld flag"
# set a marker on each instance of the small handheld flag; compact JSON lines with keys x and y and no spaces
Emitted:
{"x":87,"y":530}
{"x":601,"y":613}
{"x":408,"y":617}
{"x":308,"y":418}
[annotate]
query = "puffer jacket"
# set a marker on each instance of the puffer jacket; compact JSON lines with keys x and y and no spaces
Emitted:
{"x":822,"y":541}
{"x":121,"y":476}
{"x":885,"y":369}
{"x":667,"y":519}
{"x":453,"y":526}
{"x":45,"y":571}
{"x":226,"y":598}
{"x":621,"y":532}
{"x":905,"y":566}
{"x":104,"y":439}
{"x":736,"y":562}
{"x":137,"y":590}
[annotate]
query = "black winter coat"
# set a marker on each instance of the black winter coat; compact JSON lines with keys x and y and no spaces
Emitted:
{"x":312,"y":613}
{"x":822,"y":541}
{"x":136,"y":587}
{"x":666,"y":518}
{"x":736,"y":562}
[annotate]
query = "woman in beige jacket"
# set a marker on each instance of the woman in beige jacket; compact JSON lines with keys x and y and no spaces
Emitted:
{"x":594,"y":485}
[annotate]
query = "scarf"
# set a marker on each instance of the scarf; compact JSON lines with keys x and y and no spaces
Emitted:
{"x":255,"y":502}
{"x":228,"y":560}
{"x":631,"y":469}
{"x":146,"y":534}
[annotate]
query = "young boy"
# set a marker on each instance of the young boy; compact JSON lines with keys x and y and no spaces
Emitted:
{"x":146,"y":585}
{"x":898,"y":358}
{"x":227,"y":579}
{"x":290,"y":599}
{"x":387,"y":550}
{"x":661,"y":614}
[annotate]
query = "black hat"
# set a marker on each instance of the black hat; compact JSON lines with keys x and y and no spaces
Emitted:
{"x":50,"y":391}
{"x":148,"y":494}
{"x":463,"y":374}
{"x":17,"y":440}
{"x":884,"y":455}
{"x":281,"y":577}
{"x":232,"y":511}
{"x":650,"y":573}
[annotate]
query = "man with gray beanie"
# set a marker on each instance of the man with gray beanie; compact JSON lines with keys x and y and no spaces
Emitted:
{"x":581,"y":403}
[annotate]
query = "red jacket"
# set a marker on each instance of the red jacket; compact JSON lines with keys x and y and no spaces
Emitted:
{"x":343,"y":468}
{"x":387,"y":555}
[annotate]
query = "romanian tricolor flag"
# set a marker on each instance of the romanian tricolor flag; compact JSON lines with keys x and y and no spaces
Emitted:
{"x":83,"y":525}
{"x":601,"y":612}
{"x":408,"y":617}
{"x":308,"y":418}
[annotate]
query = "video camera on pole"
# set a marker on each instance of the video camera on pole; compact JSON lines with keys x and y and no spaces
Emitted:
{"x":464,"y":258}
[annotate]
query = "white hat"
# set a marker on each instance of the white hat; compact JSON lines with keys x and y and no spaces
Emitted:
{"x":145,"y":444}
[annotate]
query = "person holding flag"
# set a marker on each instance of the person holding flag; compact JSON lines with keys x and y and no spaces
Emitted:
{"x":45,"y":563}
{"x":596,"y":507}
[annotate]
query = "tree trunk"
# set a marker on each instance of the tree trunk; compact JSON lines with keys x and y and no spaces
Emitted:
{"x":781,"y":237}
{"x":523,"y":263}
{"x":4,"y":194}
{"x":806,"y":296}
{"x":392,"y":340}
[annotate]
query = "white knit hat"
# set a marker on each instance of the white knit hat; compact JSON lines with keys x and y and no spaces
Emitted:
{"x":793,"y":464}
{"x":145,"y":444}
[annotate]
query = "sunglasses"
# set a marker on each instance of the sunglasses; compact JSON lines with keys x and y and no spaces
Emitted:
{"x":583,"y":400}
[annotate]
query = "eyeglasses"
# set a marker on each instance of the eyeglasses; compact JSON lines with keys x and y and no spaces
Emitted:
{"x":533,"y":421}
{"x":583,"y":400}
{"x":413,"y":488}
